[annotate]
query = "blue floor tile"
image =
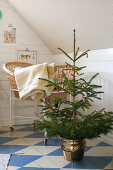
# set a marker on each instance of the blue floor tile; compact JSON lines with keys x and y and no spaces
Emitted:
{"x":6,"y":139}
{"x":91,"y":162}
{"x":12,"y":161}
{"x":28,"y":168}
{"x":22,"y":160}
{"x":2,"y":132}
{"x":35,"y":135}
{"x":57,"y":152}
{"x":40,"y":143}
{"x":8,"y":149}
{"x":88,"y":148}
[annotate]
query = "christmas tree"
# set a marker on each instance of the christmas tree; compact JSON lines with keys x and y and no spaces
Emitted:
{"x":69,"y":121}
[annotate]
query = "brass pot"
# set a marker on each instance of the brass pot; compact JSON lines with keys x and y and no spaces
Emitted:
{"x":73,"y":150}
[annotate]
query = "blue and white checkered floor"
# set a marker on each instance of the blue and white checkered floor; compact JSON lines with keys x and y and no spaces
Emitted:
{"x":29,"y":153}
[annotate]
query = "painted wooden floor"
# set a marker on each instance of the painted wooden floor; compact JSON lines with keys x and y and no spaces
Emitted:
{"x":29,"y":153}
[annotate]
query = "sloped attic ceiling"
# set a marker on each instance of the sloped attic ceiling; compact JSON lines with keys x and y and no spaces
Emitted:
{"x":54,"y":21}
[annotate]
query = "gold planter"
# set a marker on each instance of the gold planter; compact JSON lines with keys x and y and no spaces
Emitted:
{"x":73,"y":150}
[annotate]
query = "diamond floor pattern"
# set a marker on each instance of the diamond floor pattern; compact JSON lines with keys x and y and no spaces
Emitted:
{"x":28,"y":152}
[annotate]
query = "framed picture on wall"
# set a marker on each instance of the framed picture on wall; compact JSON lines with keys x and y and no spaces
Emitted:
{"x":27,"y":56}
{"x":10,"y":36}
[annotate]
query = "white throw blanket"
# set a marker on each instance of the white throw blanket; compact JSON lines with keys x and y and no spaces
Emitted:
{"x":29,"y":83}
{"x":4,"y":160}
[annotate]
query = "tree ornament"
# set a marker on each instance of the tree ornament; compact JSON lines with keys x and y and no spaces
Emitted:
{"x":0,"y":14}
{"x":77,"y":73}
{"x":84,"y":98}
{"x":67,"y":67}
{"x":36,"y":127}
{"x":53,"y":106}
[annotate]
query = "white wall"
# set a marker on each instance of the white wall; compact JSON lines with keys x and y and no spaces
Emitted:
{"x":26,"y":38}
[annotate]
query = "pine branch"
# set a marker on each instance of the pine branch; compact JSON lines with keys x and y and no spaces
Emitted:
{"x":95,"y":86}
{"x":54,"y":84}
{"x":80,"y":68}
{"x":65,"y":53}
{"x":68,"y":65}
{"x":76,"y":68}
{"x":77,"y":51}
{"x":74,"y":113}
{"x":74,"y":45}
{"x":84,"y":53}
{"x":93,"y":78}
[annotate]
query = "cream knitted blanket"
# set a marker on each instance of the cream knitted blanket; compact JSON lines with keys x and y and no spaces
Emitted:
{"x":29,"y":83}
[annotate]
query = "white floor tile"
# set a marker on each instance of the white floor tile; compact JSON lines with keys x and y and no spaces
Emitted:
{"x":44,"y":150}
{"x":8,"y":143}
{"x":58,"y":160}
{"x":92,"y":142}
{"x":30,"y":151}
{"x":33,"y":164}
{"x":13,"y":167}
{"x":18,"y":127}
{"x":100,"y":151}
{"x":45,"y":162}
{"x":16,"y":134}
{"x":4,"y":128}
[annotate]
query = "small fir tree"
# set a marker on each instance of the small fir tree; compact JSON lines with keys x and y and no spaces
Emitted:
{"x":68,"y":121}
